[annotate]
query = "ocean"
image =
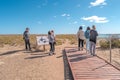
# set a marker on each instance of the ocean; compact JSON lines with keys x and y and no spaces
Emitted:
{"x":108,"y":35}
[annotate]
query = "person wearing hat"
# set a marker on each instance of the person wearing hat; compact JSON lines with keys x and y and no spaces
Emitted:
{"x":26,"y":38}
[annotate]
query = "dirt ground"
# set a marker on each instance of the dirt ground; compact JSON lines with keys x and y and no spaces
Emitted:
{"x":17,"y":64}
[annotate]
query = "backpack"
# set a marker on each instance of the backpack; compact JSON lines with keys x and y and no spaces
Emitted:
{"x":87,"y":34}
{"x":93,"y":36}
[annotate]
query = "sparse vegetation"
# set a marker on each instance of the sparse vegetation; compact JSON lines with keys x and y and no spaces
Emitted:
{"x":11,"y":40}
{"x":115,"y":43}
{"x":104,"y":44}
{"x":14,"y":40}
{"x":70,"y":37}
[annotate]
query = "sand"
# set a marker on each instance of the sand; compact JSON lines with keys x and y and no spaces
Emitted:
{"x":17,"y":64}
{"x":115,"y":56}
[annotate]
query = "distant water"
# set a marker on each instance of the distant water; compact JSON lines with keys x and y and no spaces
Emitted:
{"x":108,"y":35}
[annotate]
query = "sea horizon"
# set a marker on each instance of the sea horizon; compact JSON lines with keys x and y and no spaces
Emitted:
{"x":99,"y":35}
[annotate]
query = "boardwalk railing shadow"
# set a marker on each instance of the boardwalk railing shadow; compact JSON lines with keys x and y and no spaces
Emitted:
{"x":79,"y":58}
{"x":100,"y":66}
{"x":67,"y":70}
{"x":75,"y":55}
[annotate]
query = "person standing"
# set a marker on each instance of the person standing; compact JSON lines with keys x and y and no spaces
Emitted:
{"x":93,"y":38}
{"x":51,"y":38}
{"x":26,"y":38}
{"x":87,"y":36}
{"x":54,"y":40}
{"x":80,"y":36}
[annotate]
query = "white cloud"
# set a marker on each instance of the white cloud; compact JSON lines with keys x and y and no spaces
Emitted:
{"x":96,"y":19}
{"x":45,"y":3}
{"x":65,"y":15}
{"x":39,"y":22}
{"x":68,"y":15}
{"x":98,"y":2}
{"x":55,"y":16}
{"x":78,"y":5}
{"x":83,"y":25}
{"x":68,"y":18}
{"x":75,"y":22}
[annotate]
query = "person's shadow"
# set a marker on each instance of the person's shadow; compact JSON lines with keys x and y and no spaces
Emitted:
{"x":38,"y":54}
{"x":10,"y":52}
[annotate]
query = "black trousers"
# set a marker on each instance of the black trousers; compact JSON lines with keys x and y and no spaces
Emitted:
{"x":27,"y":44}
{"x":52,"y":47}
{"x":80,"y":43}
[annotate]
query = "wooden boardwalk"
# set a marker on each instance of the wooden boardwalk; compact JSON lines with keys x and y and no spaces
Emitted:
{"x":87,"y":67}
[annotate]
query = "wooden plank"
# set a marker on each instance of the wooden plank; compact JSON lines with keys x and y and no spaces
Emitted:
{"x":86,"y":67}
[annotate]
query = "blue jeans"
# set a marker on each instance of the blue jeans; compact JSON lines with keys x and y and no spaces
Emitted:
{"x":87,"y":44}
{"x":92,"y":48}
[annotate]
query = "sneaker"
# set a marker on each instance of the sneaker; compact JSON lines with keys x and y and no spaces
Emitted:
{"x":88,"y":52}
{"x":82,"y":49}
{"x":50,"y":53}
{"x":94,"y":55}
{"x":30,"y":50}
{"x":26,"y":49}
{"x":54,"y":53}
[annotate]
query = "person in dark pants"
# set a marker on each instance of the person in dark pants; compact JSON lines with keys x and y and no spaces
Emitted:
{"x":51,"y":38}
{"x":81,"y":37}
{"x":27,"y":39}
{"x":80,"y":44}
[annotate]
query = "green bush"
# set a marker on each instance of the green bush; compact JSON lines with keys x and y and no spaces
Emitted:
{"x":58,"y":42}
{"x":115,"y":43}
{"x":104,"y":44}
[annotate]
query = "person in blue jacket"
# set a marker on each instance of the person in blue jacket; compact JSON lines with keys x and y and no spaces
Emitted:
{"x":87,"y":36}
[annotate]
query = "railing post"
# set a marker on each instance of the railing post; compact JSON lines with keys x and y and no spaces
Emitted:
{"x":119,"y":52}
{"x":110,"y":48}
{"x":44,"y":47}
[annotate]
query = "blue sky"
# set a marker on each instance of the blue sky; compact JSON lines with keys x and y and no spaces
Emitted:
{"x":62,"y":16}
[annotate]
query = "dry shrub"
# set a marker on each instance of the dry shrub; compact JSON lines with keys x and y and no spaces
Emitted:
{"x":17,"y":40}
{"x":115,"y":43}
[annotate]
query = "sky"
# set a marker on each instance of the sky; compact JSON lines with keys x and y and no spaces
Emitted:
{"x":62,"y":16}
